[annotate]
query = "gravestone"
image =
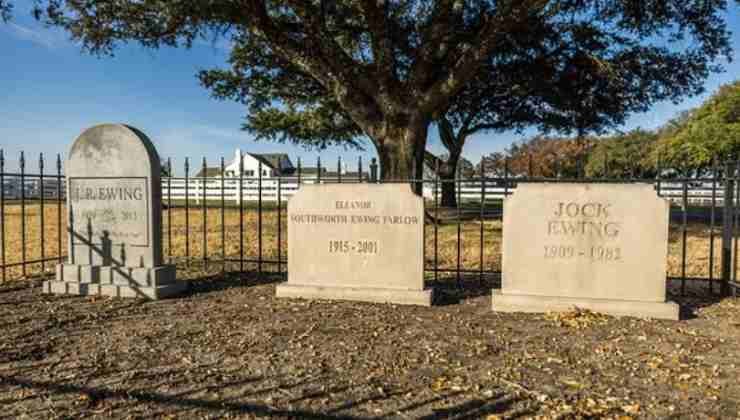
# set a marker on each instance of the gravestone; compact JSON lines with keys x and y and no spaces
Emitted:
{"x":601,"y":247}
{"x":114,"y":209}
{"x":356,"y":242}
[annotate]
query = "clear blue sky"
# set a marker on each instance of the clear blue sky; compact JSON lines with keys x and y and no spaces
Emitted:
{"x":50,"y":92}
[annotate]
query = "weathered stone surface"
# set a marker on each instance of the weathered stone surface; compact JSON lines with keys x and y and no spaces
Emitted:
{"x":596,"y":246}
{"x":356,"y":242}
{"x":114,"y":209}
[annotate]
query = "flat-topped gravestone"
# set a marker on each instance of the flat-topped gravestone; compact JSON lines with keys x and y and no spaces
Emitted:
{"x":601,"y":247}
{"x":114,"y":208}
{"x":356,"y":242}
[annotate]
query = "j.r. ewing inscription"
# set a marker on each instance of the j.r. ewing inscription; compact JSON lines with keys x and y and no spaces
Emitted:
{"x":585,"y":245}
{"x":344,"y":248}
{"x":114,"y":208}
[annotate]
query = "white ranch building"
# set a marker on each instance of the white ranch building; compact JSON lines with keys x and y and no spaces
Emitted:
{"x":280,"y":178}
{"x":274,"y":165}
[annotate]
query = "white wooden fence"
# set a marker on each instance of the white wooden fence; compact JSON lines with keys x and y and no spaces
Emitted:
{"x":13,"y":189}
{"x":698,"y":193}
{"x":212,"y":190}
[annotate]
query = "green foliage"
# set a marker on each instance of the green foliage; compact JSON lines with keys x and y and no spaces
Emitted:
{"x":693,"y":141}
{"x":623,"y":156}
{"x":284,"y":104}
{"x":5,"y":10}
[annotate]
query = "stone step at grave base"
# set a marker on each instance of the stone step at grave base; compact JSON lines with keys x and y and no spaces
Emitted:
{"x":507,"y":302}
{"x":132,"y":282}
{"x":124,"y":276}
{"x":375,"y":295}
{"x":114,"y":290}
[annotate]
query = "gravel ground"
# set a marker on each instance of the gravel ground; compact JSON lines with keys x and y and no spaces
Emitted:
{"x":230,"y":349}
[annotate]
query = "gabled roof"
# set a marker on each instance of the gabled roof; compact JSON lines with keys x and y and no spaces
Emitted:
{"x":313,"y":172}
{"x":272,"y":160}
{"x":209,"y":172}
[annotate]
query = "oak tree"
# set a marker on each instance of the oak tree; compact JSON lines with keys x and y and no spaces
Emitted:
{"x":394,"y":66}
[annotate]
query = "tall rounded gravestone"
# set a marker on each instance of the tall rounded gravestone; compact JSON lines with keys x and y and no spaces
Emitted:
{"x":114,"y":203}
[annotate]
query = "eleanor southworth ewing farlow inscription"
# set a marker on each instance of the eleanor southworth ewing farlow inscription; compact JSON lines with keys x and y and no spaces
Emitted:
{"x":594,"y":246}
{"x":356,"y":242}
{"x":114,"y":209}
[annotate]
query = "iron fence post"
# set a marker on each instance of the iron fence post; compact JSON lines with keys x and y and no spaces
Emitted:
{"x":187,"y":211}
{"x":223,"y":216}
{"x":42,"y":226}
{"x":339,"y":169}
{"x":204,"y":213}
{"x":23,"y":214}
{"x":359,"y":169}
{"x":506,"y":176}
{"x":727,"y":228}
{"x":2,"y":213}
{"x":259,"y":219}
{"x":59,"y":209}
{"x":374,"y":170}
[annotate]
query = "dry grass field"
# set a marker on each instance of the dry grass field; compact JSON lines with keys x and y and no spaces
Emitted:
{"x":185,"y":238}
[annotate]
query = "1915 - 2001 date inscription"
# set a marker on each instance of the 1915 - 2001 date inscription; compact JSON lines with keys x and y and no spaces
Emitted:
{"x":594,"y":253}
{"x":362,"y":247}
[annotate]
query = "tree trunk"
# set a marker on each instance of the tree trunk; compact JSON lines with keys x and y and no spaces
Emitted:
{"x":448,"y":169}
{"x":448,"y":176}
{"x":400,"y":145}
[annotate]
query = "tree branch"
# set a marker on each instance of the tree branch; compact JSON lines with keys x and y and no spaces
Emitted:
{"x":376,"y":14}
{"x":336,"y":72}
{"x":439,"y":24}
{"x":494,"y":30}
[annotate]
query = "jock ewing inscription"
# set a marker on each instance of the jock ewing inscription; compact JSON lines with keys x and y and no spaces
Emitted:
{"x":596,"y":246}
{"x":370,"y":249}
{"x":112,"y":208}
{"x":588,"y":219}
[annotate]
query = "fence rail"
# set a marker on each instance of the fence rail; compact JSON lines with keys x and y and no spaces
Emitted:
{"x":206,"y":220}
{"x":234,"y":190}
{"x":700,"y":192}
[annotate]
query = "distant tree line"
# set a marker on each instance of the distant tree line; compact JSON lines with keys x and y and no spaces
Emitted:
{"x":686,"y":146}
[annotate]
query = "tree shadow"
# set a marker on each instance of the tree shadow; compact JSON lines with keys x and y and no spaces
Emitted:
{"x":475,"y":408}
{"x":693,"y":296}
{"x":449,"y":291}
{"x":36,"y":352}
{"x":23,"y":285}
{"x":168,"y":404}
{"x":99,"y":393}
{"x":229,"y":280}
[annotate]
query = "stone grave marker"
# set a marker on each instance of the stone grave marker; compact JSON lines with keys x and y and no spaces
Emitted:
{"x":356,"y":242}
{"x":601,"y":247}
{"x":114,"y":209}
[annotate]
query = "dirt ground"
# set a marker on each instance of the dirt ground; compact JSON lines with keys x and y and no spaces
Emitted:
{"x":230,"y":349}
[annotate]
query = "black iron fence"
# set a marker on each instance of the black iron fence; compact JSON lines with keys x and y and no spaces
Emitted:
{"x":226,"y":220}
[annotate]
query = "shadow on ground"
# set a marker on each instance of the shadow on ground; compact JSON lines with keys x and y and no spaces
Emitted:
{"x":451,"y":290}
{"x":94,"y":399}
{"x":693,"y":296}
{"x":222,"y":281}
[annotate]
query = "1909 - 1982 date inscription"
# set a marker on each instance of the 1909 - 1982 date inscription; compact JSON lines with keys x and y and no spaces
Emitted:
{"x":593,"y":253}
